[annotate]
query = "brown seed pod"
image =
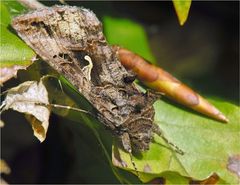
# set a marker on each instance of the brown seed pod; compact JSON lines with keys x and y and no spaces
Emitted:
{"x":160,"y":80}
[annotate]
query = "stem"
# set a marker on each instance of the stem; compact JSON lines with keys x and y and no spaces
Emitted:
{"x":31,"y":4}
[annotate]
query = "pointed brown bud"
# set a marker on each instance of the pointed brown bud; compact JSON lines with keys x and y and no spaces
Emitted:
{"x":160,"y":80}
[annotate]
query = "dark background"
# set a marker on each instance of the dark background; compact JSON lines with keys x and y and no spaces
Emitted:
{"x":204,"y":53}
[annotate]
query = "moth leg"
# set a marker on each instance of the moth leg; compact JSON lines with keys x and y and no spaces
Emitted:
{"x":126,"y":143}
{"x":159,"y":132}
{"x":152,"y":96}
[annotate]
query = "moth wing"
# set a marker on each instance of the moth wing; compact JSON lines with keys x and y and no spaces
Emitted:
{"x":51,"y":32}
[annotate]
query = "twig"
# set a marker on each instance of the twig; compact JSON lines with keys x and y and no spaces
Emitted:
{"x":31,"y":4}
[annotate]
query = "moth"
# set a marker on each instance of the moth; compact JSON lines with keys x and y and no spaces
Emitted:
{"x":71,"y":40}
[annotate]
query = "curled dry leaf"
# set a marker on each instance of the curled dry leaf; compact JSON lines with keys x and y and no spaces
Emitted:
{"x":31,"y":98}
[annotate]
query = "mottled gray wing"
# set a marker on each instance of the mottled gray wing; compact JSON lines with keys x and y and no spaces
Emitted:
{"x":70,"y":39}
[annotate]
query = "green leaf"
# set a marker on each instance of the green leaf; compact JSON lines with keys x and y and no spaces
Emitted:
{"x":13,"y":50}
{"x":14,"y":53}
{"x":128,"y":34}
{"x":208,"y":145}
{"x":4,"y":15}
{"x":182,"y":9}
{"x":14,"y":7}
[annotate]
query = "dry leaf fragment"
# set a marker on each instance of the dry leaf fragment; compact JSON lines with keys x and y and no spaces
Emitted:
{"x":7,"y":73}
{"x":4,"y":168}
{"x":1,"y":123}
{"x":31,"y":98}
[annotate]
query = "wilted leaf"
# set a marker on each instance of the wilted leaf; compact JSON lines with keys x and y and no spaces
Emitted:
{"x":182,"y":9}
{"x":14,"y":53}
{"x":207,"y":144}
{"x":31,"y":98}
{"x":128,"y":34}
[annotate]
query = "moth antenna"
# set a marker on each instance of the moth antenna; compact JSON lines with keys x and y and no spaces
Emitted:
{"x":174,"y":147}
{"x":158,"y":131}
{"x":133,"y":163}
{"x":71,"y":108}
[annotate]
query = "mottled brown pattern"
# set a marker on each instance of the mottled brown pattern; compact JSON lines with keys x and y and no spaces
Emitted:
{"x":65,"y":37}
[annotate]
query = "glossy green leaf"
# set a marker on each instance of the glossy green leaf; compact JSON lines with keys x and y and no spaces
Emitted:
{"x":14,"y":53}
{"x":182,"y":8}
{"x":128,"y":34}
{"x":208,"y":145}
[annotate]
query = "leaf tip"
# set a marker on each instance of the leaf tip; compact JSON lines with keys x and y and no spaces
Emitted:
{"x":182,"y":8}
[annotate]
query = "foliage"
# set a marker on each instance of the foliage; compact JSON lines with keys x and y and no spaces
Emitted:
{"x":209,"y":146}
{"x":15,"y":54}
